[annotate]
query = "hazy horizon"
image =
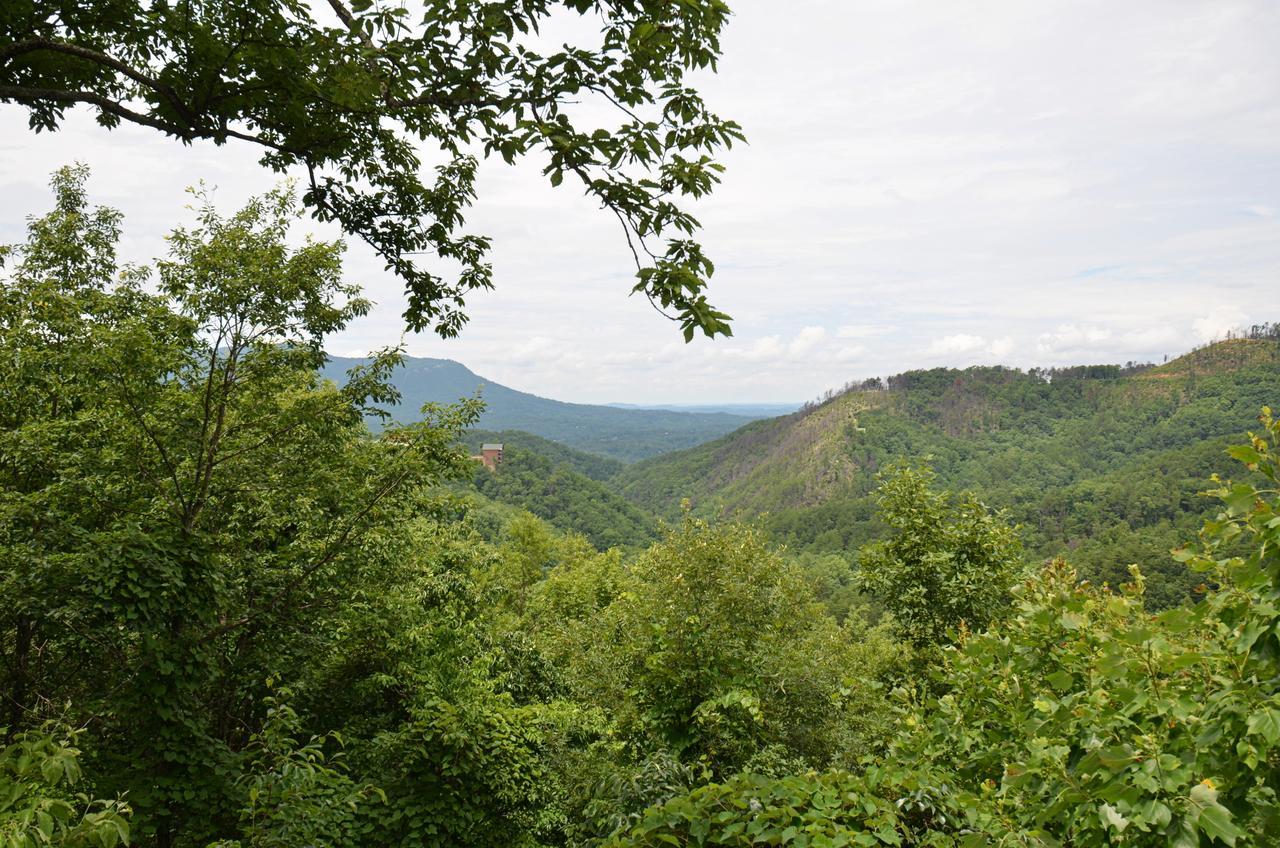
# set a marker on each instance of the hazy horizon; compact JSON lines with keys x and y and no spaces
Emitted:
{"x":725,"y":402}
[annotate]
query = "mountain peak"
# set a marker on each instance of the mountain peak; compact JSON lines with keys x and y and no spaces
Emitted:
{"x":619,"y":433}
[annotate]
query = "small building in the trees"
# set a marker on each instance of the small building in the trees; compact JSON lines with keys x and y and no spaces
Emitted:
{"x":490,"y":455}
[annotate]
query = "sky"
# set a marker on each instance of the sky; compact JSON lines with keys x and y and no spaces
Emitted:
{"x":926,"y":183}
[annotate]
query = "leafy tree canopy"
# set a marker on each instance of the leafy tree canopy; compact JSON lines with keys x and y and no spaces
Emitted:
{"x":948,"y":562}
{"x":364,"y":97}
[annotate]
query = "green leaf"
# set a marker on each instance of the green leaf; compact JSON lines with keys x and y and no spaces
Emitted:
{"x":1241,"y":498}
{"x":1245,"y":454}
{"x":1117,"y":757}
{"x":1185,"y":835}
{"x":1060,"y":680}
{"x":1265,"y":723}
{"x":1216,"y":822}
{"x":1111,"y":817}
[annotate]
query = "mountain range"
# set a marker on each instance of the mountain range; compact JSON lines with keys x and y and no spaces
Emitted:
{"x":621,"y":433}
{"x":1102,"y":463}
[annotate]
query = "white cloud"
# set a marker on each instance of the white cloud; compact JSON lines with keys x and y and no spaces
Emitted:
{"x":768,"y":347}
{"x":1000,"y":347}
{"x":1070,"y":338}
{"x":955,"y":344}
{"x":1218,"y":322}
{"x":806,"y":341}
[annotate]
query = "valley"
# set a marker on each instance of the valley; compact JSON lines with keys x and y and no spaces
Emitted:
{"x":1098,"y":463}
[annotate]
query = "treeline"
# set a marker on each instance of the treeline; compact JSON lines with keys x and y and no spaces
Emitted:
{"x":1224,"y":354}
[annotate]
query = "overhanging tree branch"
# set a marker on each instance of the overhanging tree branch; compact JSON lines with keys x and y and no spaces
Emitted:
{"x":355,"y":101}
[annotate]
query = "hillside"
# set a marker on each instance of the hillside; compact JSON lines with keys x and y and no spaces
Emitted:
{"x":558,"y":485}
{"x":1072,"y":453}
{"x":588,"y":464}
{"x":620,"y":433}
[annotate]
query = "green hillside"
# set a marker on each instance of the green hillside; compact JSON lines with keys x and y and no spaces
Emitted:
{"x":588,"y":464}
{"x":562,"y":486}
{"x":620,"y":433}
{"x":1097,"y":460}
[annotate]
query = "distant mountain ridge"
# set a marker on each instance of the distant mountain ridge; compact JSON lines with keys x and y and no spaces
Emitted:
{"x":620,"y":433}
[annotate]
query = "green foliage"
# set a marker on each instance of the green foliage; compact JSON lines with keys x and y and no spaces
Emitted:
{"x":460,"y":775}
{"x":1098,"y":464}
{"x":829,"y":810}
{"x":1082,"y":719}
{"x":834,"y":584}
{"x":293,"y":794}
{"x":947,"y":565}
{"x":188,"y":510}
{"x":722,"y":655}
{"x":39,"y":804}
{"x":1086,"y":720}
{"x":565,"y":498}
{"x":350,"y":98}
{"x":425,"y":700}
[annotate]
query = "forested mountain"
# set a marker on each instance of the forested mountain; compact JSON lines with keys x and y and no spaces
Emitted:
{"x":589,"y":464}
{"x":623,"y":434}
{"x":1103,"y":461}
{"x":561,"y":486}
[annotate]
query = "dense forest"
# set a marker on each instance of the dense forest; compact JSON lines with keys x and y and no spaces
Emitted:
{"x":235,"y":615}
{"x":562,"y":486}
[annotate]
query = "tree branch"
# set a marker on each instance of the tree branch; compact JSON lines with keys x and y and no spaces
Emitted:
{"x":26,"y":95}
{"x":38,"y":44}
{"x":352,"y":25}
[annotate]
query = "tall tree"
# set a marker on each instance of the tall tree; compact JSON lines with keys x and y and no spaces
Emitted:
{"x":358,"y":96}
{"x":188,"y":508}
{"x":948,"y":562}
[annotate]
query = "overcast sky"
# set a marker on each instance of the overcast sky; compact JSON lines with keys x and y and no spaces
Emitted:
{"x":926,"y":183}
